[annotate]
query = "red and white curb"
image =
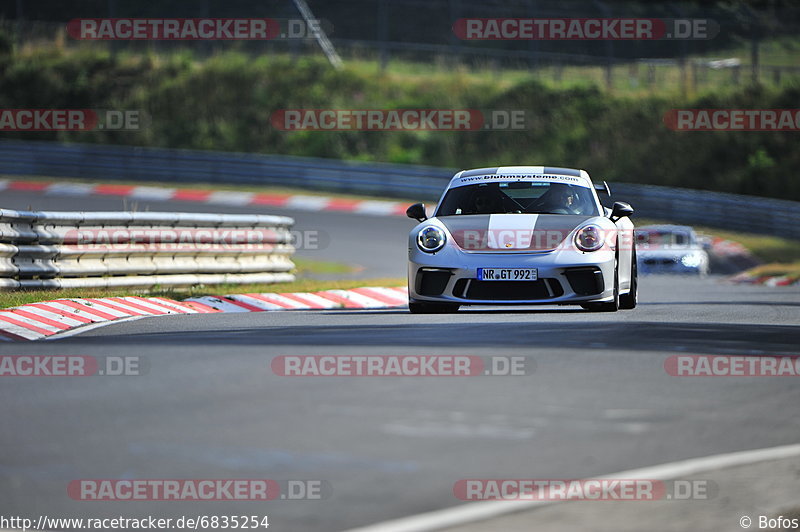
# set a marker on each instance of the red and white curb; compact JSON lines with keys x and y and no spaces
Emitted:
{"x":211,"y":197}
{"x":36,"y":321}
{"x":766,"y":280}
{"x":728,"y":248}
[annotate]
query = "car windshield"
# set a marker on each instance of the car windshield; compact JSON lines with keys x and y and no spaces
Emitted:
{"x":518,"y":197}
{"x":664,"y":239}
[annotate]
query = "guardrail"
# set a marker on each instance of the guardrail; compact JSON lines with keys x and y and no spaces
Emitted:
{"x":732,"y":212}
{"x":125,"y":163}
{"x":142,"y":249}
{"x":129,"y":163}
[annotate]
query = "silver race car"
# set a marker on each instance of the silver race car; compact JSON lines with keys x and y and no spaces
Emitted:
{"x":522,"y":235}
{"x":671,"y":249}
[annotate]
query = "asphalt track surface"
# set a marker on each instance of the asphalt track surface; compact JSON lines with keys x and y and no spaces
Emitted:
{"x":209,"y":405}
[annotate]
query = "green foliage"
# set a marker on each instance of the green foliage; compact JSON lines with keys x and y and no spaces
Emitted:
{"x":224,"y":102}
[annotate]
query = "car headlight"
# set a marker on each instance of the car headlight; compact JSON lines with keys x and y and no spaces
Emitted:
{"x":431,"y":239}
{"x":691,"y":260}
{"x":589,"y":238}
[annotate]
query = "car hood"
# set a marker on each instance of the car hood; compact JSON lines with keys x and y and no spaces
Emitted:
{"x":667,"y":253}
{"x":493,"y":233}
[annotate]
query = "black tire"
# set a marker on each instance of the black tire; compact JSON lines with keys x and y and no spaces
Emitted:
{"x":611,"y":306}
{"x":432,"y":308}
{"x":628,"y":301}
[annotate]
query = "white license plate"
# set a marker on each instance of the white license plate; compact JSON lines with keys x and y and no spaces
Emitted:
{"x":507,"y":274}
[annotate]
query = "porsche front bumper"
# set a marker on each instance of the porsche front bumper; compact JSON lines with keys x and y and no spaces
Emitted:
{"x":563,"y":277}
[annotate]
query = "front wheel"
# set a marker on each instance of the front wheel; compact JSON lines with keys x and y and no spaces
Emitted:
{"x":432,"y":308}
{"x":629,"y":300}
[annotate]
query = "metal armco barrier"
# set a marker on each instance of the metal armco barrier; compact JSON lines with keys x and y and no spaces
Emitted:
{"x":142,"y":249}
{"x":105,"y":162}
{"x":126,"y":163}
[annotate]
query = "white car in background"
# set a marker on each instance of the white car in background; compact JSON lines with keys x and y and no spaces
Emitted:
{"x":670,"y":249}
{"x":522,"y":235}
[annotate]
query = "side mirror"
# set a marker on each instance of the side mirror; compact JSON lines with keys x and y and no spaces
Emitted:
{"x":620,"y":210}
{"x":417,"y":211}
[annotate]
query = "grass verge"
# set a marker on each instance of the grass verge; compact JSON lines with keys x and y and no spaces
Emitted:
{"x":307,"y":266}
{"x":777,"y":269}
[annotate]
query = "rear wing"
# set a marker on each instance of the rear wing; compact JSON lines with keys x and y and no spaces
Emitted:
{"x":602,"y":188}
